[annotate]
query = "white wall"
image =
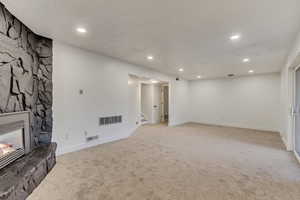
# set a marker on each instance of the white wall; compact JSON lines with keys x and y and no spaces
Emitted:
{"x":106,"y":92}
{"x":246,"y":102}
{"x":286,"y":95}
{"x":104,"y":82}
{"x":179,"y":97}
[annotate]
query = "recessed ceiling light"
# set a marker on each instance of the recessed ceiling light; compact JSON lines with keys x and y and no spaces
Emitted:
{"x":150,"y":57}
{"x":251,"y":71}
{"x":154,"y":81}
{"x":199,"y":76}
{"x":81,"y":30}
{"x":181,"y":70}
{"x":245,"y":60}
{"x":235,"y":37}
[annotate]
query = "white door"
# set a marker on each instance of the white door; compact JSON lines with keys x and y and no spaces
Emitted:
{"x":156,"y":104}
{"x":162,"y":103}
{"x":297,"y":112}
{"x":134,"y":101}
{"x":146,"y":103}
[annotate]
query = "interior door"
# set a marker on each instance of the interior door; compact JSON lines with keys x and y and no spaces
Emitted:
{"x":297,"y":111}
{"x":156,"y":104}
{"x":162,"y":108}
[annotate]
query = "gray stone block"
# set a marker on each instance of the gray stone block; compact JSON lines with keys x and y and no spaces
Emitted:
{"x":5,"y":78}
{"x":3,"y":25}
{"x":6,"y":57}
{"x":17,"y":26}
{"x":15,"y":88}
{"x":12,"y":33}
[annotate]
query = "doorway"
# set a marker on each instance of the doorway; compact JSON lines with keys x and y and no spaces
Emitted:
{"x":148,"y":101}
{"x":296,"y":113}
{"x":165,"y":103}
{"x":154,"y":103}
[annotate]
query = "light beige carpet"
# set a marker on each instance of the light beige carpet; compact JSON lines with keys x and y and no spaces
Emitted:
{"x":189,"y":162}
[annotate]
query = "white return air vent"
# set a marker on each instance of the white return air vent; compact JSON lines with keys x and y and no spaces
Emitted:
{"x":110,"y":120}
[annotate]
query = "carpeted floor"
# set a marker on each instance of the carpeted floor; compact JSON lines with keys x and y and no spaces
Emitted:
{"x":189,"y":162}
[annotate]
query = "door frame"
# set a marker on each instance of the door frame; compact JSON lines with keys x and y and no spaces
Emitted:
{"x":163,"y":103}
{"x":166,"y":82}
{"x":294,"y":96}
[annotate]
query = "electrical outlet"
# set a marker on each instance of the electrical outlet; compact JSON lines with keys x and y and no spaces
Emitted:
{"x":91,"y":138}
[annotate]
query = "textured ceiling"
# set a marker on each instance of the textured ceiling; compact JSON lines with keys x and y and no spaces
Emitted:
{"x":191,"y":34}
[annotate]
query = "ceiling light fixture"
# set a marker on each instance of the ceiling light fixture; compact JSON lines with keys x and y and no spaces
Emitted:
{"x":199,"y":77}
{"x":251,"y":71}
{"x":245,"y":60}
{"x":81,"y":30}
{"x":181,"y":70}
{"x":154,"y":81}
{"x":150,"y":57}
{"x":235,"y":37}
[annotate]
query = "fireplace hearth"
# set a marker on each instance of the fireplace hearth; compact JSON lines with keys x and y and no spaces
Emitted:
{"x":20,"y":178}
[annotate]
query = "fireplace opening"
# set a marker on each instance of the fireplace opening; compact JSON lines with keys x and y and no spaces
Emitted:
{"x":11,"y":142}
{"x":14,"y":137}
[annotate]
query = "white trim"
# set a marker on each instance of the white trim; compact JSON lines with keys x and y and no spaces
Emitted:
{"x":297,"y":156}
{"x":144,"y":123}
{"x":285,"y":143}
{"x":232,"y":125}
{"x":291,"y":146}
{"x":78,"y":147}
{"x":291,"y":99}
{"x":82,"y":146}
{"x":14,"y":113}
{"x":178,"y":124}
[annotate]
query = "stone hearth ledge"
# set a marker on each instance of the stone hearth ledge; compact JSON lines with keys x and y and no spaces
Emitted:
{"x":19,"y":179}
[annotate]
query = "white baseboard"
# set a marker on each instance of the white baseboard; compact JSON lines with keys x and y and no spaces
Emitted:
{"x":235,"y":126}
{"x":178,"y":124}
{"x":81,"y":146}
{"x":287,"y":146}
{"x":284,"y":142}
{"x":78,"y":147}
{"x":297,"y":156}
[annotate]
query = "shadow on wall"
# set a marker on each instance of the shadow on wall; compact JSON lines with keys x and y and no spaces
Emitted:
{"x":26,"y":75}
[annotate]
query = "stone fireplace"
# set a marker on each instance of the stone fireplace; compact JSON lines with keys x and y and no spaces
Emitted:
{"x":26,"y":75}
{"x":26,"y":152}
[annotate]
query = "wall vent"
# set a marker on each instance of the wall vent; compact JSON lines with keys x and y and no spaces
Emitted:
{"x":110,"y":120}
